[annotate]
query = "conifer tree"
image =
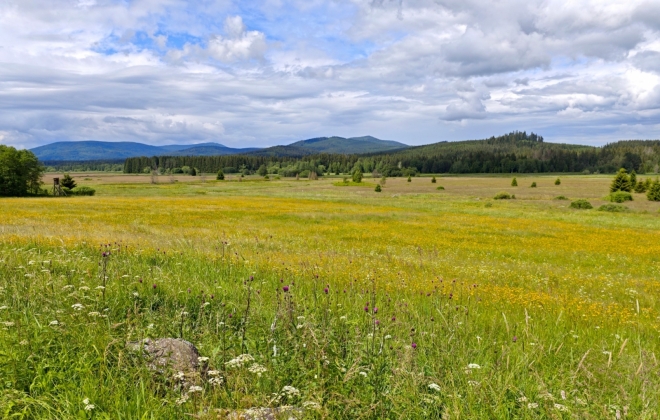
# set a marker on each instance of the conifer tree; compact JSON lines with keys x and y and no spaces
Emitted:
{"x":653,"y":193}
{"x":621,"y":182}
{"x":557,"y":181}
{"x":633,"y":179}
{"x":514,"y":182}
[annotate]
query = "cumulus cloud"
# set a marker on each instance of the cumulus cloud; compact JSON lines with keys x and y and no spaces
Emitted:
{"x":274,"y":71}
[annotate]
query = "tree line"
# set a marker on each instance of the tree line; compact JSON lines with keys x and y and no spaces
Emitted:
{"x":516,"y":152}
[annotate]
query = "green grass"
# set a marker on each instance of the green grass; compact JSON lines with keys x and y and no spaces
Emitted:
{"x":558,"y":308}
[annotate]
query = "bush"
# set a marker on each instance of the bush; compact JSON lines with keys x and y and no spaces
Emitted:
{"x":561,"y":197}
{"x":177,"y":171}
{"x":557,"y":181}
{"x":378,"y":189}
{"x":440,"y":188}
{"x":641,"y":187}
{"x":621,"y":182}
{"x":383,"y":180}
{"x":266,"y":178}
{"x":220,"y":176}
{"x":503,"y":196}
{"x":514,"y":182}
{"x":653,"y":193}
{"x":262,"y":171}
{"x":193,"y":172}
{"x":357,"y":176}
{"x":409,"y":179}
{"x":82,"y":191}
{"x":433,"y":180}
{"x":613,"y":208}
{"x":533,"y":185}
{"x":620,"y":197}
{"x":581,"y":204}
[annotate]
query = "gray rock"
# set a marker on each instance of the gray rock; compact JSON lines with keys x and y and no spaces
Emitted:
{"x":168,"y":353}
{"x":264,"y":413}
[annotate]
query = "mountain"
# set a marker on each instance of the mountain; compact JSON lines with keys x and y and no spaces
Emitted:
{"x":105,"y":150}
{"x":335,"y":145}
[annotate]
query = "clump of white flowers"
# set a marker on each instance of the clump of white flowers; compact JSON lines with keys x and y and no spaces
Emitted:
{"x":239,"y":361}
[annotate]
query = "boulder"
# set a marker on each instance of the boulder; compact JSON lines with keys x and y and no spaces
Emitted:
{"x":169,"y":353}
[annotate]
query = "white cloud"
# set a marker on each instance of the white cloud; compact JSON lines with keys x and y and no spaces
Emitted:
{"x":280,"y":70}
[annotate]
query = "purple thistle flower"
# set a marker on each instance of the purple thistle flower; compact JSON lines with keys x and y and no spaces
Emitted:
{"x":154,"y":285}
{"x":375,"y":310}
{"x":326,"y":290}
{"x":377,"y":322}
{"x":251,"y":278}
{"x":515,"y":338}
{"x":366,"y":309}
{"x":393,"y":318}
{"x":285,"y":288}
{"x":414,"y":345}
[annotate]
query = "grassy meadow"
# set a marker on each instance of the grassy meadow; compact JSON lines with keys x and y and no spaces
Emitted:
{"x":410,"y":303}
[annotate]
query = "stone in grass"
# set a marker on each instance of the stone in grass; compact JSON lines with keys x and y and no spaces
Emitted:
{"x":169,"y":353}
{"x":263,"y":413}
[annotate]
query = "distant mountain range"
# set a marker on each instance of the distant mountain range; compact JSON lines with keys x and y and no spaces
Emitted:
{"x":104,"y":150}
{"x":107,"y":150}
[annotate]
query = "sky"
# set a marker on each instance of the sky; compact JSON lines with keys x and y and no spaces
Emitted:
{"x":261,"y":73}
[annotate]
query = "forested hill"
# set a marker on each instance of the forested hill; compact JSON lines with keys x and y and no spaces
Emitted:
{"x":516,"y":152}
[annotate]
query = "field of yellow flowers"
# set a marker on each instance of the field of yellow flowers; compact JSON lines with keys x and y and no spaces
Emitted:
{"x":340,"y":302}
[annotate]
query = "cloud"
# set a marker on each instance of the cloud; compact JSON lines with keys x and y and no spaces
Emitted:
{"x":275,"y":71}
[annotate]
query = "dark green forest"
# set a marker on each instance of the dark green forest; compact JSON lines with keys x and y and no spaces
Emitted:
{"x":516,"y":152}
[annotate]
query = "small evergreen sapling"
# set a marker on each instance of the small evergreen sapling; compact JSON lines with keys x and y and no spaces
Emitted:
{"x":220,"y":176}
{"x":514,"y":182}
{"x":68,"y":182}
{"x":409,"y":179}
{"x":378,"y":189}
{"x":533,"y":185}
{"x":433,"y":180}
{"x":357,"y":176}
{"x":557,"y":181}
{"x":653,"y":192}
{"x":633,"y":179}
{"x":621,"y":182}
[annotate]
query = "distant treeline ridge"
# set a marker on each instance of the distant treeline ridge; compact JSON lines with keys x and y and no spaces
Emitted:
{"x":516,"y":152}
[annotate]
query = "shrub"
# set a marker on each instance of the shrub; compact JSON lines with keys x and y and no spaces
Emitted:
{"x":409,"y":179}
{"x":378,"y":189}
{"x":613,"y":208}
{"x":433,"y":180}
{"x":653,"y":192}
{"x":178,"y":171}
{"x":633,"y":178}
{"x":488,"y":205}
{"x":503,"y":196}
{"x":82,"y":191}
{"x":561,"y":197}
{"x":266,"y":177}
{"x":383,"y":180}
{"x":440,"y":188}
{"x":193,"y":172}
{"x":621,"y":182}
{"x":262,"y":171}
{"x":620,"y":197}
{"x":640,"y":187}
{"x":68,"y":182}
{"x":220,"y":176}
{"x":357,"y":176}
{"x":533,"y":185}
{"x":557,"y":181}
{"x":581,"y":204}
{"x":514,"y":182}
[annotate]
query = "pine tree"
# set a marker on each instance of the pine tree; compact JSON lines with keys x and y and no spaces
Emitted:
{"x":409,"y":179}
{"x":653,"y":193}
{"x":557,"y":181}
{"x":378,"y":189}
{"x":514,"y":182}
{"x":220,"y":176}
{"x":621,"y":182}
{"x":533,"y":185}
{"x":68,"y":182}
{"x":633,"y":179}
{"x":433,"y":180}
{"x":357,"y":176}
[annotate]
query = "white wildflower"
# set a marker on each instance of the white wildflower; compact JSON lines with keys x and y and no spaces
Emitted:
{"x":195,"y":388}
{"x":182,"y":400}
{"x":77,"y":306}
{"x":239,"y":361}
{"x":290,"y":391}
{"x":203,"y":359}
{"x":300,"y":318}
{"x":68,"y":287}
{"x":100,"y":287}
{"x":83,"y":288}
{"x":387,"y":337}
{"x":547,"y":396}
{"x":179,"y":376}
{"x":205,"y":304}
{"x":216,"y":381}
{"x":23,"y":343}
{"x":150,"y":326}
{"x":213,"y":373}
{"x":561,"y":407}
{"x":580,"y":401}
{"x":363,"y":374}
{"x":473,"y":366}
{"x":125,"y":276}
{"x":2,"y":308}
{"x":93,"y":314}
{"x":299,"y":326}
{"x":473,"y":383}
{"x":563,"y":394}
{"x":532,"y":405}
{"x":522,"y":399}
{"x":88,"y":406}
{"x":343,"y":317}
{"x":257,"y":369}
{"x":136,"y":294}
{"x":434,"y":387}
{"x":274,"y":350}
{"x":53,"y":323}
{"x":311,"y":405}
{"x":8,"y":324}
